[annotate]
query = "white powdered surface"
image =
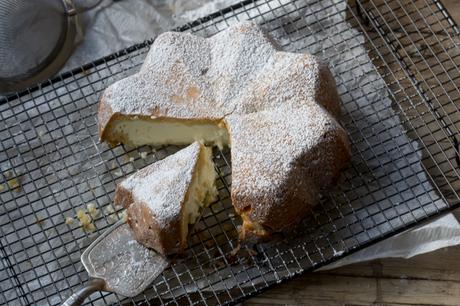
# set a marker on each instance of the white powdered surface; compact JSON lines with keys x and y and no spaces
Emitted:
{"x":236,"y":71}
{"x":186,"y":76}
{"x":162,"y":185}
{"x":267,"y":150}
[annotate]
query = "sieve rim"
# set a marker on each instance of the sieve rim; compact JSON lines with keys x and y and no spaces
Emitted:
{"x":53,"y":61}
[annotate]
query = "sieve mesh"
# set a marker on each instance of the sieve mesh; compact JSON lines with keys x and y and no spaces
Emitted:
{"x":30,"y":32}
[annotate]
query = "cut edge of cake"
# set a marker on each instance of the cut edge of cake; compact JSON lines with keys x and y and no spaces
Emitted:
{"x":134,"y":130}
{"x":163,"y":199}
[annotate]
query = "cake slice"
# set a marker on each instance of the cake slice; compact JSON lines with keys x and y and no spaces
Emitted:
{"x":164,"y":198}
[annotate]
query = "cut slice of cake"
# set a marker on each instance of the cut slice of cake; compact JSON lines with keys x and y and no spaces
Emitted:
{"x":164,"y":198}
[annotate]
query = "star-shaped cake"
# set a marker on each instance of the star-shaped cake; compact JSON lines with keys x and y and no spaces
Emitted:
{"x":276,"y":110}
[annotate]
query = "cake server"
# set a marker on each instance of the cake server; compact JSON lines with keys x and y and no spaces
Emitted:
{"x":116,"y":262}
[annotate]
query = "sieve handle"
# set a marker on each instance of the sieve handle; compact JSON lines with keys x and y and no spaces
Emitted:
{"x":95,"y":284}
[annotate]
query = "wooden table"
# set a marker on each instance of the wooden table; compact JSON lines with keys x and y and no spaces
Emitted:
{"x":429,"y":279}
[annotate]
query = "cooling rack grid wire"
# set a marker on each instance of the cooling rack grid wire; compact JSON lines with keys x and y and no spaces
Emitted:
{"x":396,"y":66}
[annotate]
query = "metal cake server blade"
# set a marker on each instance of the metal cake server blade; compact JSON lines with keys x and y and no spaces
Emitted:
{"x":116,"y":262}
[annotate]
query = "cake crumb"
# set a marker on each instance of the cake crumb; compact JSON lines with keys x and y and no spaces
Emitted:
{"x":112,"y":217}
{"x":89,"y":228}
{"x":85,"y":221}
{"x":14,"y":184}
{"x":143,"y":155}
{"x":69,"y":220}
{"x":39,"y":221}
{"x":123,"y":216}
{"x":109,"y":210}
{"x":81,"y":215}
{"x":131,"y":159}
{"x":92,"y":210}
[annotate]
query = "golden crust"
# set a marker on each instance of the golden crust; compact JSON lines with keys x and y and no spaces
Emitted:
{"x":276,"y":177}
{"x":104,"y":113}
{"x":278,"y":107}
{"x":155,"y":196}
{"x":165,"y":240}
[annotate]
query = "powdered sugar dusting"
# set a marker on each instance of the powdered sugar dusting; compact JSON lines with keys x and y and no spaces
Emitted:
{"x":163,"y":185}
{"x":189,"y":77}
{"x":285,"y":143}
{"x":279,"y":108}
{"x":239,"y":70}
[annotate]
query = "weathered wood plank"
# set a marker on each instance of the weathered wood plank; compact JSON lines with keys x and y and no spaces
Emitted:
{"x":440,"y":265}
{"x":327,"y":289}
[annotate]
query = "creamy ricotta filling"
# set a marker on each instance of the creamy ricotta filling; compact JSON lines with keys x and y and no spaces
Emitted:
{"x":202,"y":190}
{"x":144,"y":131}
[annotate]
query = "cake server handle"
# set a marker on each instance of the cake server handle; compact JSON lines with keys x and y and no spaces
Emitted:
{"x":95,"y":284}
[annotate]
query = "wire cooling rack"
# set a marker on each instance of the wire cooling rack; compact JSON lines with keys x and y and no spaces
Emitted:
{"x":396,"y":66}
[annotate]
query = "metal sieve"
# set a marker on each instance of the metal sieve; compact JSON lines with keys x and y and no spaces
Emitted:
{"x":36,"y":39}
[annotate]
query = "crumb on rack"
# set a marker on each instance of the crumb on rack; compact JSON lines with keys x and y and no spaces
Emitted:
{"x":109,"y":210}
{"x":143,"y":155}
{"x":89,"y":228}
{"x":123,"y":215}
{"x":85,"y":221}
{"x":92,"y":210}
{"x":131,"y":159}
{"x":13,"y":182}
{"x":69,"y":220}
{"x":112,"y":217}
